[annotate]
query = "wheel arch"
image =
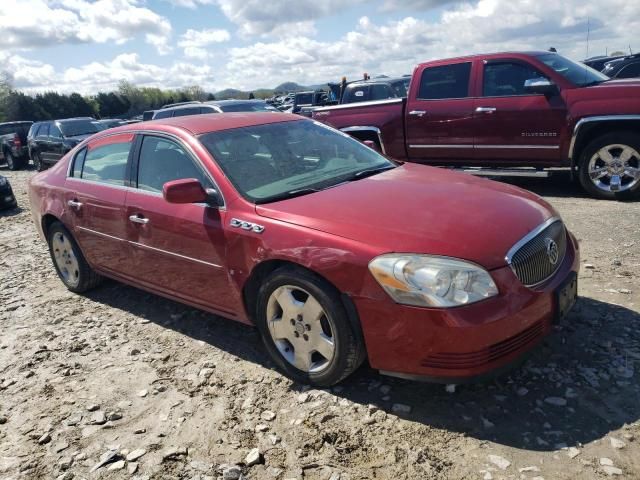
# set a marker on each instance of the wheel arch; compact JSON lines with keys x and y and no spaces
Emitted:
{"x":263,"y":269}
{"x":590,"y":128}
{"x":46,"y":221}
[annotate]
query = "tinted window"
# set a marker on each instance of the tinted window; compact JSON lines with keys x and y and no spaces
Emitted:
{"x":43,"y":131}
{"x":630,"y":71}
{"x":71,"y":128}
{"x":400,"y":88}
{"x":380,"y":92}
{"x":107,"y":163}
{"x":181,"y":112}
{"x":358,"y":93}
{"x":265,"y":162}
{"x":161,"y":161}
{"x":247,"y":107}
{"x":507,"y":78}
{"x":54,"y":131}
{"x":304,"y":99}
{"x":162,"y":114}
{"x":78,"y":162}
{"x":446,"y":81}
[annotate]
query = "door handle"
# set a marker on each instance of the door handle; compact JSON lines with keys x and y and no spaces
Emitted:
{"x":139,"y":219}
{"x":486,"y":109}
{"x":418,"y":113}
{"x":74,"y":204}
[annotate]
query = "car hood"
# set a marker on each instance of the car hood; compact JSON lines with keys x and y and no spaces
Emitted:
{"x":419,"y":209}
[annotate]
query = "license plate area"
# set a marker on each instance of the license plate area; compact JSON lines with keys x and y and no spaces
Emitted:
{"x":566,"y":296}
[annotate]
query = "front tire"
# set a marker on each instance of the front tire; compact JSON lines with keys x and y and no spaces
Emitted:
{"x":68,"y":260}
{"x":306,"y":329}
{"x":609,"y":166}
{"x":37,"y":161}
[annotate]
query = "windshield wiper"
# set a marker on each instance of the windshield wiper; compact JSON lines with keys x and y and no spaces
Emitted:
{"x":290,"y":194}
{"x":370,"y":171}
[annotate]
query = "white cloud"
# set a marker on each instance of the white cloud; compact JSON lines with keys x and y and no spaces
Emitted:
{"x":195,"y":42}
{"x":38,"y":23}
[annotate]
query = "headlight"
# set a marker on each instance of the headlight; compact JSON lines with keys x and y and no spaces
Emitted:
{"x":430,"y":281}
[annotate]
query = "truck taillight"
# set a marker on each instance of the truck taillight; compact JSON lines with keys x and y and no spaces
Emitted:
{"x":16,"y":141}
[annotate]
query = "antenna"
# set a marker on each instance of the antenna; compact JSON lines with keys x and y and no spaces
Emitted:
{"x":588,"y":32}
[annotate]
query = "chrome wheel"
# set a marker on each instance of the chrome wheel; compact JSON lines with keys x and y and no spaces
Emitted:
{"x":300,"y":328}
{"x":66,"y":259}
{"x":615,"y":168}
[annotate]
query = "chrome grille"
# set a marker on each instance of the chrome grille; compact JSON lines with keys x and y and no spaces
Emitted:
{"x":530,"y":258}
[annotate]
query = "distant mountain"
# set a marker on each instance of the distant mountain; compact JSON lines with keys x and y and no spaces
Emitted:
{"x":285,"y":87}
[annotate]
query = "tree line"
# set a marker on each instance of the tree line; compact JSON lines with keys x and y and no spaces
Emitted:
{"x":127,"y":101}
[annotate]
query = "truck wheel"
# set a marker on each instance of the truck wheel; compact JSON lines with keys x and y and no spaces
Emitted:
{"x":305,"y":328}
{"x":609,"y":166}
{"x":11,"y":162}
{"x":71,"y":266}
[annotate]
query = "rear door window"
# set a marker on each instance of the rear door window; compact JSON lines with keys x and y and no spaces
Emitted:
{"x":445,"y":81}
{"x":55,"y":132}
{"x":163,"y":160}
{"x":106,"y":159}
{"x":630,"y":71}
{"x":359,"y":93}
{"x":380,"y":92}
{"x":162,"y":114}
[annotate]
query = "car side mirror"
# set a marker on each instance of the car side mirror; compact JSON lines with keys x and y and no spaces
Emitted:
{"x":187,"y":190}
{"x":372,"y":145}
{"x":540,"y":85}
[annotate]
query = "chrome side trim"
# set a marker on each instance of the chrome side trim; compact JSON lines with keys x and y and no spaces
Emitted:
{"x":480,"y":147}
{"x":147,"y":247}
{"x":367,"y":128}
{"x":166,"y":252}
{"x":439,"y":146}
{"x":533,"y":233}
{"x":389,"y":101}
{"x":599,"y":118}
{"x":100,"y":234}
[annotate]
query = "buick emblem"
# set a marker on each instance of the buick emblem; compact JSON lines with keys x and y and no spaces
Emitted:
{"x":552,"y":250}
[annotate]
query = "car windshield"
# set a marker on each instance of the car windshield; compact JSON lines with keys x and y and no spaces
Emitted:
{"x":281,"y":160}
{"x":246,"y":107}
{"x":71,"y":128}
{"x":577,"y":73}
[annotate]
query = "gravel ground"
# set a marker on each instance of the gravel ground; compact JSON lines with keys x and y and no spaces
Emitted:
{"x":123,"y":384}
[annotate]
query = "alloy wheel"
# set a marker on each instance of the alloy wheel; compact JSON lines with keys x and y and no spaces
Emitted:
{"x":615,"y":168}
{"x":300,"y":328}
{"x":66,"y":259}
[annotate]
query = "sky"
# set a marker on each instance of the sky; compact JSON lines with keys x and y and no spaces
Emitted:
{"x":88,"y":46}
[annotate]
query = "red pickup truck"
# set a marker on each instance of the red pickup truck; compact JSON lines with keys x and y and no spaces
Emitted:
{"x":506,"y":111}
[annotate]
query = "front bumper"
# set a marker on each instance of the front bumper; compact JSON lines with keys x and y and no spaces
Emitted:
{"x":458,"y":344}
{"x":7,"y":198}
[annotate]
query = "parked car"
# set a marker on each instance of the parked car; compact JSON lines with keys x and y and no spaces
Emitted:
{"x":625,"y":67}
{"x":598,"y":62}
{"x":507,"y":110}
{"x":215,"y":106}
{"x":333,"y":251}
{"x":13,"y":144}
{"x":109,"y":123}
{"x":7,"y":198}
{"x":305,"y":102}
{"x":375,"y":89}
{"x":49,"y":141}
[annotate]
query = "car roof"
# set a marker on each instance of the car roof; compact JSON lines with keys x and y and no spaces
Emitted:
{"x":17,"y":122}
{"x":233,"y":102}
{"x":489,"y":56}
{"x":212,"y":122}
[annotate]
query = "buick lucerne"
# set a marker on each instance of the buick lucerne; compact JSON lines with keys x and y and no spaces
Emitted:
{"x":335,"y":253}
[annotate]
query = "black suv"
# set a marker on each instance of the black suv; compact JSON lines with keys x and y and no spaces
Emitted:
{"x":13,"y":144}
{"x":626,"y":67}
{"x":49,"y":141}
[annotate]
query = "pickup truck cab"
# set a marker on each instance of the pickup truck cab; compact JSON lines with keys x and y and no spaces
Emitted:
{"x":507,"y":111}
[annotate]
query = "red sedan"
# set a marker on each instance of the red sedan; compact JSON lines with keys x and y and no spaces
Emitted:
{"x":334,"y":252}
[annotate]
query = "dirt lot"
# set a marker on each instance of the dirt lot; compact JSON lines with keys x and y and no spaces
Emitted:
{"x":156,"y":390}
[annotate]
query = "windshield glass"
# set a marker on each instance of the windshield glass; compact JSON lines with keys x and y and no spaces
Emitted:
{"x":577,"y":73}
{"x":280,"y":160}
{"x":246,"y":107}
{"x":71,"y":128}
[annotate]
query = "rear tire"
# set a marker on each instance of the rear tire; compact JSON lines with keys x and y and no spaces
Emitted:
{"x":609,"y":161}
{"x":68,"y":260}
{"x":11,"y":161}
{"x":312,"y":341}
{"x":37,"y":161}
